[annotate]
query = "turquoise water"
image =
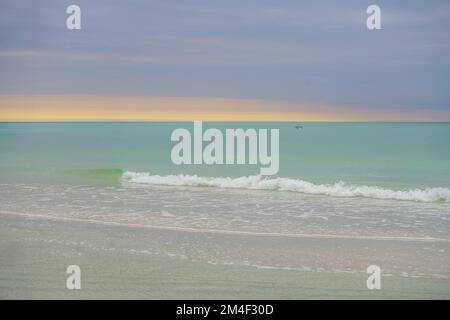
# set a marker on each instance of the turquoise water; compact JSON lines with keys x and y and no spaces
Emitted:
{"x":351,"y":179}
{"x":347,"y":195}
{"x":394,"y":155}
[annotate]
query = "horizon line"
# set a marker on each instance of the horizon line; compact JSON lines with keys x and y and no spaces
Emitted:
{"x":40,"y":108}
{"x":222,"y":121}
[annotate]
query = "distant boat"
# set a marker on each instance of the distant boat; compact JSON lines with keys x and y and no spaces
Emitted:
{"x":298,"y":127}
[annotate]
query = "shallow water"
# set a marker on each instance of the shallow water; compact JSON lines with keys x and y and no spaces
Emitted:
{"x":346,"y":196}
{"x":232,"y":210}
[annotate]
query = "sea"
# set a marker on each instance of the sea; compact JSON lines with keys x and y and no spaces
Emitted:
{"x":374,"y":179}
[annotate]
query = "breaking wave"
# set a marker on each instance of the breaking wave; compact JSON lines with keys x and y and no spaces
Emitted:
{"x":338,"y":189}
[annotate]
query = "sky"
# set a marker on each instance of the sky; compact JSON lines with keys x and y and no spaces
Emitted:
{"x":225,"y":60}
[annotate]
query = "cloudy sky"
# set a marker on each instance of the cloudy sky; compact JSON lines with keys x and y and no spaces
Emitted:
{"x":311,"y":60}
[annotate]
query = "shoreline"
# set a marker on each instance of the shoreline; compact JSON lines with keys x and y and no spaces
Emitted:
{"x":119,"y":261}
{"x":229,"y":232}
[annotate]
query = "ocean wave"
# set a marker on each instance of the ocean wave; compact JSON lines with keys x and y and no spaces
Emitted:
{"x":338,"y":189}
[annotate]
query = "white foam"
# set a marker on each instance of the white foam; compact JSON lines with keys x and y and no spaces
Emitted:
{"x":338,"y":189}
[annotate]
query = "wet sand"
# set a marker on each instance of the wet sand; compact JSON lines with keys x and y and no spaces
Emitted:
{"x":129,"y":262}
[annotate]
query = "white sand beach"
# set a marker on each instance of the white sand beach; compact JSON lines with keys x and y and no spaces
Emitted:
{"x":130,"y":262}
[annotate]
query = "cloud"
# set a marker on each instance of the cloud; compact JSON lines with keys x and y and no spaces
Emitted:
{"x":292,"y":50}
{"x":73,"y":56}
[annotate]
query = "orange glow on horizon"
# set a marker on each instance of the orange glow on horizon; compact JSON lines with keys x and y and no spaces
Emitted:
{"x":99,"y":108}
